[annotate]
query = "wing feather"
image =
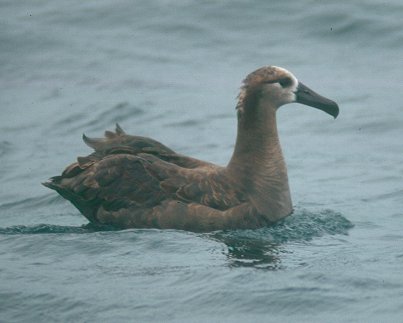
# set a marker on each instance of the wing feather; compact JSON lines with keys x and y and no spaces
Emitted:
{"x":129,"y":181}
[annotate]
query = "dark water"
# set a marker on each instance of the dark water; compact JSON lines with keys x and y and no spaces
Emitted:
{"x":171,"y":70}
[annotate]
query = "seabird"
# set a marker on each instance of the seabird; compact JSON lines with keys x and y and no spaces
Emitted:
{"x":137,"y":182}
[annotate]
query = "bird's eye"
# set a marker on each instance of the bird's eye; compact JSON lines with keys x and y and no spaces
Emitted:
{"x":285,"y":82}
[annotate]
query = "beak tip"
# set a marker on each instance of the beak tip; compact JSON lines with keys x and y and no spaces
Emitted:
{"x":336,"y":111}
{"x":306,"y":96}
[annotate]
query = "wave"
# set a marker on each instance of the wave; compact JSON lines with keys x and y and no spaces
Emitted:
{"x":33,"y":202}
{"x":300,"y":226}
{"x":49,"y":228}
{"x":262,"y":248}
{"x":5,"y":147}
{"x":98,"y":120}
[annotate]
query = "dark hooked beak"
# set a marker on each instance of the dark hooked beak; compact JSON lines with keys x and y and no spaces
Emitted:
{"x":306,"y":96}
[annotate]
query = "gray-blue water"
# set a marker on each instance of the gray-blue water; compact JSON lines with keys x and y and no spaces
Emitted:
{"x":171,"y":70}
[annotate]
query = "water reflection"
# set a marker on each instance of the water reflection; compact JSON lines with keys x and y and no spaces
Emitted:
{"x":244,"y":251}
{"x":262,"y":248}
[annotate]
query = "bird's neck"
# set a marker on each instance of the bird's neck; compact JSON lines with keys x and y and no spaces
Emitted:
{"x":258,"y":164}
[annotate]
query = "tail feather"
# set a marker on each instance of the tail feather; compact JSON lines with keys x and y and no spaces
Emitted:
{"x":50,"y":184}
{"x":94,"y":143}
{"x":110,"y":134}
{"x":119,"y":130}
{"x":100,"y":143}
{"x":87,"y":208}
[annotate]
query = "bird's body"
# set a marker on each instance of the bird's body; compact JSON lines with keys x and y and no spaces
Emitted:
{"x":137,"y":182}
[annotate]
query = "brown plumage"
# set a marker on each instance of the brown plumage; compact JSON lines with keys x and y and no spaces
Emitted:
{"x":136,"y":182}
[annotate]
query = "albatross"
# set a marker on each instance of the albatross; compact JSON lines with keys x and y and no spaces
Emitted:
{"x":137,"y":182}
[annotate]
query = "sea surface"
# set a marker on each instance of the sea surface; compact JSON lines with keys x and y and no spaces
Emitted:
{"x":171,"y":70}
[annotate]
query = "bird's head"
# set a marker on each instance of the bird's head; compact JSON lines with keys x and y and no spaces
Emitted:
{"x":275,"y":86}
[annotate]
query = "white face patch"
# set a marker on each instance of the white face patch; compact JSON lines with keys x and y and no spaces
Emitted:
{"x":294,"y":86}
{"x":278,"y":94}
{"x":290,"y":75}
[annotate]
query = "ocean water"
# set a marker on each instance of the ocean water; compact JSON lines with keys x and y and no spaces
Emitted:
{"x":171,"y":70}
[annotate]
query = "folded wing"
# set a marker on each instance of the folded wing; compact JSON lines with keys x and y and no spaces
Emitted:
{"x":132,"y":181}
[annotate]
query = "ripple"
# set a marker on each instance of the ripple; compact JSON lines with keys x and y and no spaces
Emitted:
{"x":185,"y":123}
{"x":300,"y":226}
{"x":5,"y":147}
{"x":32,"y":202}
{"x":99,"y":121}
{"x":49,"y":228}
{"x":262,"y":248}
